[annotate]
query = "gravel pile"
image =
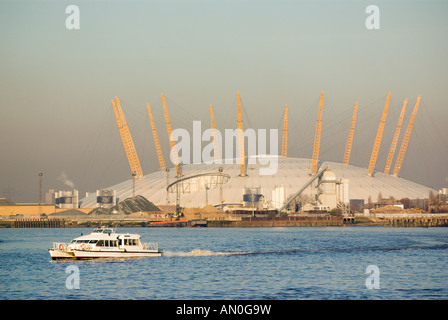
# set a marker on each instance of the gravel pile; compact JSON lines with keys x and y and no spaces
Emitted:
{"x":127,"y":206}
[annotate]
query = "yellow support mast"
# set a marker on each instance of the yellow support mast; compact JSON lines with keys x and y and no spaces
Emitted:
{"x":126,"y":137}
{"x":348,"y":148}
{"x":172,"y":143}
{"x":406,"y":139}
{"x":241,"y":151}
{"x":379,"y":135}
{"x":156,"y":140}
{"x":393,"y":144}
{"x":285,"y":133}
{"x":317,"y":136}
{"x":215,"y":138}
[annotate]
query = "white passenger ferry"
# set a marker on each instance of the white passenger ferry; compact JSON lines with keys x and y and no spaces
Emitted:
{"x":104,"y":243}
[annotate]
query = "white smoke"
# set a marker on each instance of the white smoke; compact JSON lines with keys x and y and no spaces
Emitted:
{"x":64,"y":178}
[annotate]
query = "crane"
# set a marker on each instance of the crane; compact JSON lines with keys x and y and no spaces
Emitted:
{"x":348,"y":148}
{"x":172,"y":143}
{"x":393,"y":144}
{"x":285,"y":134}
{"x":379,"y":135}
{"x":126,"y":137}
{"x":317,"y":135}
{"x":156,"y":140}
{"x":406,"y":139}
{"x":215,"y":139}
{"x":241,"y":151}
{"x":306,"y":185}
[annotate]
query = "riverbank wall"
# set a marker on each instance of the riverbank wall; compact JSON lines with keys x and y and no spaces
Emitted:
{"x":278,"y":222}
{"x":423,"y":221}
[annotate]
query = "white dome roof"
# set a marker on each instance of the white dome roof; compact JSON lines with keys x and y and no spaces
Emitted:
{"x":292,"y":174}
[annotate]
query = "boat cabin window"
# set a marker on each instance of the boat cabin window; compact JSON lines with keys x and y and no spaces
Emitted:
{"x":130,"y":242}
{"x":107,"y":243}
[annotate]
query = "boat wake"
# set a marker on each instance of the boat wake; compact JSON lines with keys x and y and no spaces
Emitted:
{"x":199,"y":253}
{"x":208,"y":253}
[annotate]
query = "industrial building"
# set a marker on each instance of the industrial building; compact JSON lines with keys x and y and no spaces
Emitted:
{"x":296,"y":184}
{"x":67,"y":199}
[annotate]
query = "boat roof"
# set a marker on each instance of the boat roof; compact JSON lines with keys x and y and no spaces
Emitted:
{"x":106,"y":233}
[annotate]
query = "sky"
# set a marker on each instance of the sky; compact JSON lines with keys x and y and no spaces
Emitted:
{"x":56,"y":84}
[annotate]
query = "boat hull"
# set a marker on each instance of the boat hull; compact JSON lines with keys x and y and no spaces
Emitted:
{"x":61,"y":254}
{"x":81,"y":254}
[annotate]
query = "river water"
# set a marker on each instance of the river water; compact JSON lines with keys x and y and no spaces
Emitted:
{"x":290,"y":263}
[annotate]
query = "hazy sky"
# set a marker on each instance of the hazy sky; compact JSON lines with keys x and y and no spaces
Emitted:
{"x":57,"y":84}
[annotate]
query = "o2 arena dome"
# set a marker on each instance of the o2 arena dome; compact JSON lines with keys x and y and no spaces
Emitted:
{"x":216,"y":184}
{"x":229,"y":183}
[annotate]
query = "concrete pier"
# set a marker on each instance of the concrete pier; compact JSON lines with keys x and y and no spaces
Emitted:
{"x":416,"y":222}
{"x":278,"y":222}
{"x":39,"y":223}
{"x":422,"y":221}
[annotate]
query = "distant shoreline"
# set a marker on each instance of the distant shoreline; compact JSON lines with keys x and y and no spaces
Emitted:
{"x":120,"y":222}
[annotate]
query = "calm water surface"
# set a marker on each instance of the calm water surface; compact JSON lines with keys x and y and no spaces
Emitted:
{"x":236,"y":263}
